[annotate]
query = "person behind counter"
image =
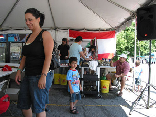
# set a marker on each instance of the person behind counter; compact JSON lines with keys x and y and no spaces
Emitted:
{"x":76,"y":50}
{"x":92,"y":52}
{"x":64,"y":54}
{"x":37,"y":55}
{"x":122,"y":69}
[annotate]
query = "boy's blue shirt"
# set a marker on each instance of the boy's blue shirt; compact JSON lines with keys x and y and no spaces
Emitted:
{"x":73,"y":77}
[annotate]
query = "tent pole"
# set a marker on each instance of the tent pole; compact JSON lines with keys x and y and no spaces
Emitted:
{"x":96,"y":48}
{"x":51,"y":14}
{"x":134,"y":59}
{"x":68,"y":37}
{"x":55,"y":35}
{"x":9,"y":13}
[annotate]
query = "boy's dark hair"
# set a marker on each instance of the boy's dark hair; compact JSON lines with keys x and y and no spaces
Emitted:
{"x":71,"y":59}
{"x":64,"y":39}
{"x":36,"y":13}
{"x":79,"y":38}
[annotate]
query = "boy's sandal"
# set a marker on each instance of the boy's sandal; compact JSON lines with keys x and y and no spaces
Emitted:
{"x":74,"y":108}
{"x":73,"y":111}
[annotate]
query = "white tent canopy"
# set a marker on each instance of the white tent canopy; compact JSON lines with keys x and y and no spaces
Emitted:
{"x":72,"y":14}
{"x":61,"y":15}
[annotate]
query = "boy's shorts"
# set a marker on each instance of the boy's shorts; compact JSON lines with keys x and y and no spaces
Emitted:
{"x":75,"y":96}
{"x":30,"y":96}
{"x":137,"y":81}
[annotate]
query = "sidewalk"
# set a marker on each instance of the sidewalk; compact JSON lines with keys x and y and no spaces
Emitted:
{"x":108,"y":106}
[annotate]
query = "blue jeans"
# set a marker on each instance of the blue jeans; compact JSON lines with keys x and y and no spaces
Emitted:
{"x":61,"y":69}
{"x":138,"y":81}
{"x":49,"y":74}
{"x":31,"y":95}
{"x":75,"y":96}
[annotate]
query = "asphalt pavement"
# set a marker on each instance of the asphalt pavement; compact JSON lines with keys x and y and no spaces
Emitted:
{"x":109,"y":105}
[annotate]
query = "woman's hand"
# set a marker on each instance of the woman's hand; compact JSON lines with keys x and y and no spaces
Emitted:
{"x":18,"y":77}
{"x":42,"y":82}
{"x":66,"y":57}
{"x":88,"y":59}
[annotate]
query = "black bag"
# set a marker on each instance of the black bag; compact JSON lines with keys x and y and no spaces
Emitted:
{"x":54,"y":61}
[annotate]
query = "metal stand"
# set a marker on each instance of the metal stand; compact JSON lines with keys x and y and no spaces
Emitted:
{"x":141,"y":96}
{"x":135,"y":103}
{"x":92,"y":78}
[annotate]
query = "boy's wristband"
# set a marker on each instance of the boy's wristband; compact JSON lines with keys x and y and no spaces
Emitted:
{"x":19,"y":69}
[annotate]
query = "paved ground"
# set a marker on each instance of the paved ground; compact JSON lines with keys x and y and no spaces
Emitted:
{"x":108,"y":106}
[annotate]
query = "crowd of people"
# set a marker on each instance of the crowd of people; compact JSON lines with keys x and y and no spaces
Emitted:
{"x":36,"y":59}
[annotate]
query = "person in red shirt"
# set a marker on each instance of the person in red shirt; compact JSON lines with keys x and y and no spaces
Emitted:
{"x":122,"y":69}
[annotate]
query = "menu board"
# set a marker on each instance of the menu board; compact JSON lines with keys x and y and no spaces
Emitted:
{"x":13,"y":37}
{"x":2,"y":37}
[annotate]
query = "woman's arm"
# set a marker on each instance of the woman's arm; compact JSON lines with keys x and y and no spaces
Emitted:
{"x":68,"y":53}
{"x":48,"y":44}
{"x":21,"y":67}
{"x":83,"y":56}
{"x":22,"y":64}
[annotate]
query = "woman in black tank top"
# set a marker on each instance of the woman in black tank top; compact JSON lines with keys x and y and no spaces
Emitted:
{"x":37,"y":55}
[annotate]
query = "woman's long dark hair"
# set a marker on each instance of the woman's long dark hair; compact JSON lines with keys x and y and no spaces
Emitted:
{"x":36,"y":14}
{"x":92,"y":47}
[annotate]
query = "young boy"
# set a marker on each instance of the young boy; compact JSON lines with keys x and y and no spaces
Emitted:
{"x":74,"y":86}
{"x":138,"y":71}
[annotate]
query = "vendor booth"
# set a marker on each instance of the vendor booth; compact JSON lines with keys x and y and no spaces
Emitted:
{"x":105,"y":44}
{"x":105,"y":41}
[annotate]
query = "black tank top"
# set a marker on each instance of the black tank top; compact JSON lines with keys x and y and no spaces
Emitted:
{"x":35,"y":56}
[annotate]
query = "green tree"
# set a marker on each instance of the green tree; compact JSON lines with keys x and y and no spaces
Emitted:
{"x":126,"y":41}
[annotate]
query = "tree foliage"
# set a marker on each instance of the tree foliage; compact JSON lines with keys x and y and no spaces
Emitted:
{"x":125,"y":42}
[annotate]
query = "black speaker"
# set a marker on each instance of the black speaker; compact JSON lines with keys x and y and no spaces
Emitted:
{"x":146,"y":23}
